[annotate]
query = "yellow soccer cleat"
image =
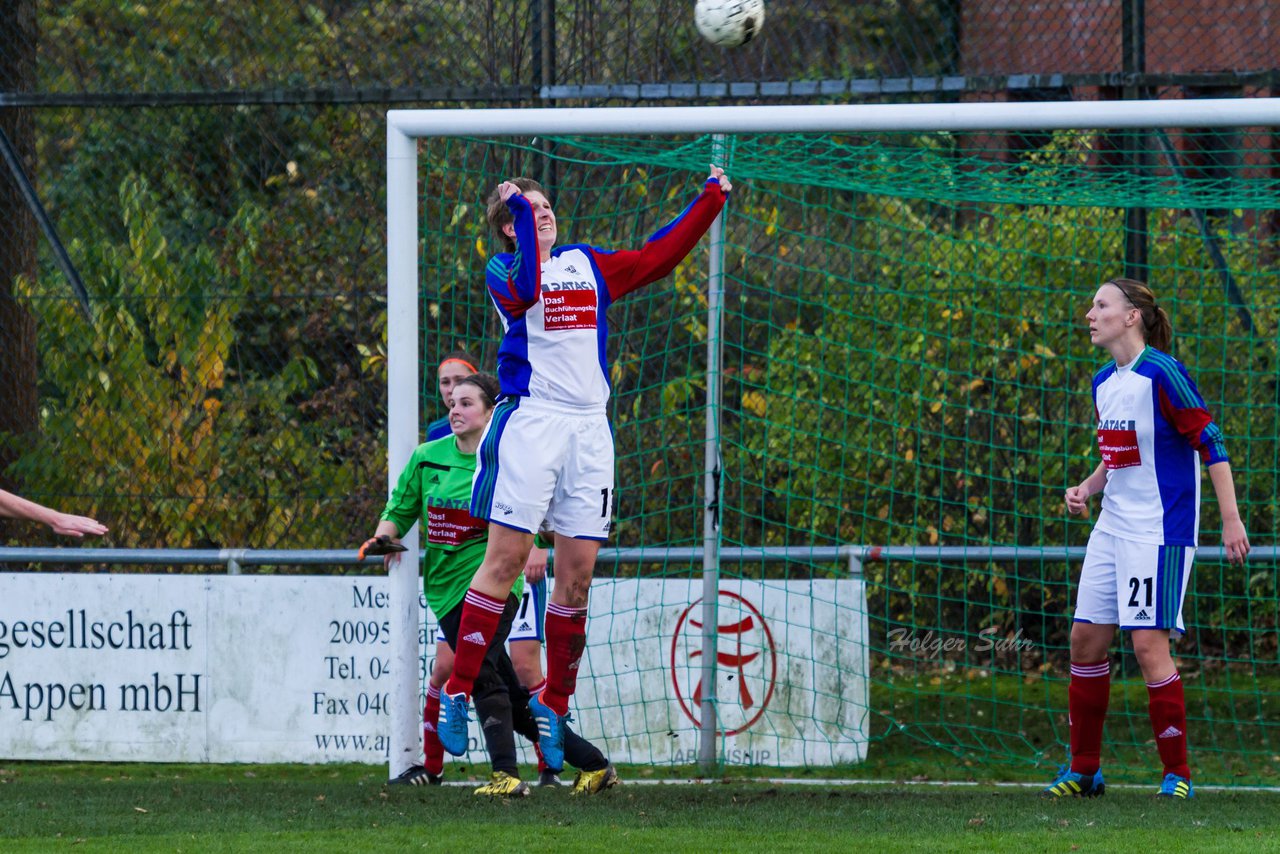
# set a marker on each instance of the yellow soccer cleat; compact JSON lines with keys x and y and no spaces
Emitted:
{"x":591,"y":782}
{"x":503,"y":785}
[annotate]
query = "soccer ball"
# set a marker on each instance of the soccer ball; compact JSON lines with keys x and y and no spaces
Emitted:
{"x":729,"y":23}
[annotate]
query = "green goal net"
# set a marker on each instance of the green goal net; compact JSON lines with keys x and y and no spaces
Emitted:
{"x":904,"y":398}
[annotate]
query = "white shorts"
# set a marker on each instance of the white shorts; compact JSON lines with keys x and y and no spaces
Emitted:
{"x":531,"y":615}
{"x":538,"y":461}
{"x":1133,"y":585}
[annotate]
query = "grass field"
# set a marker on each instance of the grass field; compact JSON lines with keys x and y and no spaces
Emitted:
{"x":141,"y":808}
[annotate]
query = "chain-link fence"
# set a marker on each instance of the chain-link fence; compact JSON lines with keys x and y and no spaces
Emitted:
{"x":191,"y":226}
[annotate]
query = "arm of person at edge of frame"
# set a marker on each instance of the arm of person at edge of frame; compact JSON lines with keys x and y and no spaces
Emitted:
{"x":66,"y":524}
{"x":629,"y":269}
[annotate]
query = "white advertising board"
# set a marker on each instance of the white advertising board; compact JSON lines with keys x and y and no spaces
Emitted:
{"x":187,"y":668}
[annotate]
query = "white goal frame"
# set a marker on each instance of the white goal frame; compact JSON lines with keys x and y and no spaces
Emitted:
{"x":405,"y":127}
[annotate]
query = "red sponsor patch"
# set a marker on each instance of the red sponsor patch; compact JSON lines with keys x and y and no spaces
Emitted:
{"x":1119,"y":448}
{"x":452,"y":526}
{"x":569,"y":309}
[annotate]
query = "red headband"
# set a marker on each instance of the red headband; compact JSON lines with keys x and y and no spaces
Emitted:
{"x":462,"y":362}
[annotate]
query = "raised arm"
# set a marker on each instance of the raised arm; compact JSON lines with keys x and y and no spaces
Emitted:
{"x":514,"y":279}
{"x":625,"y":271}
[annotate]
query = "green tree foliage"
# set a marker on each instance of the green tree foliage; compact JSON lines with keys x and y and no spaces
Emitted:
{"x":170,"y":432}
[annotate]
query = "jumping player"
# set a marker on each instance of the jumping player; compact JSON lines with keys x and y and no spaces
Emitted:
{"x":526,"y":635}
{"x":1153,"y":433}
{"x":436,"y":487}
{"x":548,"y":453}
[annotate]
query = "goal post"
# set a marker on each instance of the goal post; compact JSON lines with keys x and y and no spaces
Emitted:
{"x":407,"y":245}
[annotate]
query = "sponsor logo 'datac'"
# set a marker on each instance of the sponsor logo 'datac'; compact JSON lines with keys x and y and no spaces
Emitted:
{"x":746,"y":663}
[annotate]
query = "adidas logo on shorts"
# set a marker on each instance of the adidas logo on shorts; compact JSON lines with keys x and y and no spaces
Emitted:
{"x":474,"y":637}
{"x":1142,"y":615}
{"x":524,"y":627}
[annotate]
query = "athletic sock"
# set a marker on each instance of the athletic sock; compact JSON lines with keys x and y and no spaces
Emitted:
{"x":537,"y":748}
{"x":566,"y":630}
{"x":433,"y":751}
{"x":1087,"y":698}
{"x":1168,"y":709}
{"x":476,"y":628}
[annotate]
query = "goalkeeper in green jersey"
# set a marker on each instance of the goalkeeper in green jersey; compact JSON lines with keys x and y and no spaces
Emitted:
{"x":436,"y":487}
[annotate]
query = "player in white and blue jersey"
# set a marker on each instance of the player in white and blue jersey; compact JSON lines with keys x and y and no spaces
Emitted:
{"x":1153,"y":432}
{"x":548,"y":453}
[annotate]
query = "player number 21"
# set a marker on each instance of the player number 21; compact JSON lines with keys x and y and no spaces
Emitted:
{"x":1134,"y":585}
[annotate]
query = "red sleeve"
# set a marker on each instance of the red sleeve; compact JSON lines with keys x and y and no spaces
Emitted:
{"x":626,"y":270}
{"x":1196,"y":426}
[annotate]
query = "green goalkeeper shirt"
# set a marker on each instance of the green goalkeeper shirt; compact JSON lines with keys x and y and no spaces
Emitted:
{"x":436,"y":487}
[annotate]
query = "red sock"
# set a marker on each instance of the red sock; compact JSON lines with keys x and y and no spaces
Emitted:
{"x":566,"y":639}
{"x":1087,"y":698}
{"x":432,"y":750}
{"x":480,"y":617}
{"x":542,"y":763}
{"x":1168,"y":710}
{"x":537,"y":749}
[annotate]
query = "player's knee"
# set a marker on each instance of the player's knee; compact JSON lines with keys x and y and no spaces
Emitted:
{"x":1151,"y":648}
{"x":573,"y":591}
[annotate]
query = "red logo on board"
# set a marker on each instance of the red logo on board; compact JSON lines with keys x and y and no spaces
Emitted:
{"x":746,"y":663}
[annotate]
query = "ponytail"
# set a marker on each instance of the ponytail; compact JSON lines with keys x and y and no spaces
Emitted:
{"x":1157,"y":330}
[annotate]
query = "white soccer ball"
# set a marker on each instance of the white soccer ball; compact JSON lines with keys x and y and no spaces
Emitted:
{"x":729,"y":23}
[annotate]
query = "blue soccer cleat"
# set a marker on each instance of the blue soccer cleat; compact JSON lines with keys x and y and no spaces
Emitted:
{"x":452,"y":728}
{"x":1175,"y":787}
{"x":550,"y":731}
{"x":1070,"y":784}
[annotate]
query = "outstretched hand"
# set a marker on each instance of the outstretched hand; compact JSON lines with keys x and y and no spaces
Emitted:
{"x":716,"y":172}
{"x":76,"y":526}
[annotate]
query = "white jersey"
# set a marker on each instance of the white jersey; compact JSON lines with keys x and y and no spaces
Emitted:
{"x":555,"y":330}
{"x":1153,"y":432}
